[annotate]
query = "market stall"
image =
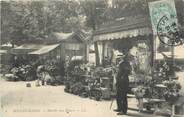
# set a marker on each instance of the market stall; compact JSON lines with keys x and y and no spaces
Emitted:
{"x":132,"y":36}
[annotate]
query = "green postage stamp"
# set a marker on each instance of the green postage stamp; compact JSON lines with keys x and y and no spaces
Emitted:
{"x":164,"y":21}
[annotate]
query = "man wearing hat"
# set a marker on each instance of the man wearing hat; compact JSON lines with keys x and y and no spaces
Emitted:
{"x":122,"y":85}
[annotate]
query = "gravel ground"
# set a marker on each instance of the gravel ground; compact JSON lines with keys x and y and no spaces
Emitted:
{"x":17,"y":100}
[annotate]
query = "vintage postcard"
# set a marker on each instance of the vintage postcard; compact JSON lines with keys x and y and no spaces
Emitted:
{"x":92,"y":58}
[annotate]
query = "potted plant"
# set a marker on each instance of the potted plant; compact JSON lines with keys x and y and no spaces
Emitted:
{"x":172,"y":93}
{"x":139,"y":93}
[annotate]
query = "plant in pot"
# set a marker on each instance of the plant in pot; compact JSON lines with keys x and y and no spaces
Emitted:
{"x":172,"y":93}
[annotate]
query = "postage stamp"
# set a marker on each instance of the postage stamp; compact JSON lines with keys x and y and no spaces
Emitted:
{"x":168,"y":32}
{"x":164,"y":22}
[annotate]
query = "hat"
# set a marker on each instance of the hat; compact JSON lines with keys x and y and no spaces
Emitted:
{"x":128,"y":57}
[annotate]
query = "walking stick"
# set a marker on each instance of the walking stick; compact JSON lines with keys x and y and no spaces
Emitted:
{"x":111,"y":103}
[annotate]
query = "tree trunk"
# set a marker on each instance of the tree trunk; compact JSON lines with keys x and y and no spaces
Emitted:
{"x":97,"y":58}
{"x":96,"y":54}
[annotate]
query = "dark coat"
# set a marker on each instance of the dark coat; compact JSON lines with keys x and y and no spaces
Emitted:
{"x":122,"y":76}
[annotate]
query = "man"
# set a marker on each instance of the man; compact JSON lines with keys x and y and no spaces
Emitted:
{"x":40,"y":75}
{"x":122,"y":85}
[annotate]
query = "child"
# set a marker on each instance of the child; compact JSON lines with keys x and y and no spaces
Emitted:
{"x":139,"y":93}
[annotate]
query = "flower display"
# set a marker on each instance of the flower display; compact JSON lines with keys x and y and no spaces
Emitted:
{"x":172,"y":93}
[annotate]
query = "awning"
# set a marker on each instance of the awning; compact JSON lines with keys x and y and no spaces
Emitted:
{"x":45,"y":49}
{"x":123,"y":34}
{"x":26,"y":48}
{"x":128,"y":27}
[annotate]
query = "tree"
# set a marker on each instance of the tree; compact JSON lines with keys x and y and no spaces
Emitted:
{"x":25,"y":21}
{"x":20,"y":22}
{"x":5,"y":10}
{"x":33,"y":21}
{"x":94,"y":12}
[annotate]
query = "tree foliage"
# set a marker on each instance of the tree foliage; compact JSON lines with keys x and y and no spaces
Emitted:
{"x":34,"y":20}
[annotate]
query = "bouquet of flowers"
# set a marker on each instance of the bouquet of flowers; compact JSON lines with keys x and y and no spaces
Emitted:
{"x":139,"y":91}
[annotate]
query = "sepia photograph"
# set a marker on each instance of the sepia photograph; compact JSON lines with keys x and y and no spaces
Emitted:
{"x":92,"y":58}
